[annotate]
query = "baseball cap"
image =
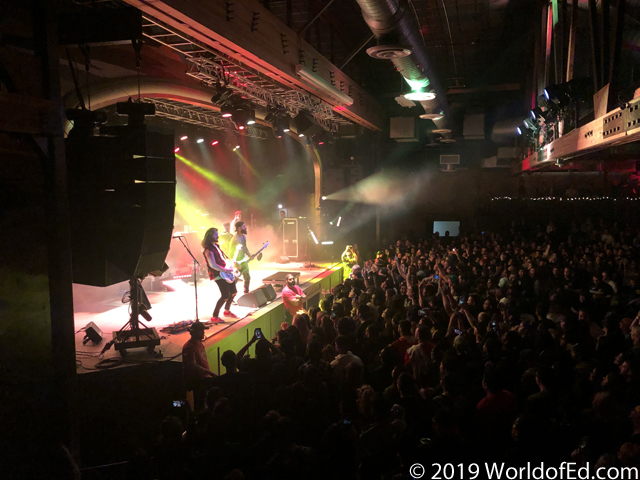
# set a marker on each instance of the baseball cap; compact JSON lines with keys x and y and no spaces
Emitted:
{"x":197,"y":327}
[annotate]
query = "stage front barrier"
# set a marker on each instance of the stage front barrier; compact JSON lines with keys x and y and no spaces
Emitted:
{"x":268,"y":318}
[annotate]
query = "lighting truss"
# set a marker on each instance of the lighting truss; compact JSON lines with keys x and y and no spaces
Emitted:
{"x":210,"y":72}
{"x":196,"y":116}
{"x":210,"y":66}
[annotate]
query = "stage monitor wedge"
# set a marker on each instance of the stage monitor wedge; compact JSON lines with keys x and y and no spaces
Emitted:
{"x":253,"y":299}
{"x":269,"y":292}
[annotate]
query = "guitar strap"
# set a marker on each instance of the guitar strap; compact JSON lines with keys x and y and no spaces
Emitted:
{"x":213,"y":273}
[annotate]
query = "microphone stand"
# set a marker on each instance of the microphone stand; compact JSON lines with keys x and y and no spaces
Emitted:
{"x":195,"y":278}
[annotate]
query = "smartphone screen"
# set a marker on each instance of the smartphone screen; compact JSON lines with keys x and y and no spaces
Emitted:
{"x":258,"y":332}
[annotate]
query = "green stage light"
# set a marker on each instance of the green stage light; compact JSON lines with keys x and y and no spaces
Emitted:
{"x":420,"y":96}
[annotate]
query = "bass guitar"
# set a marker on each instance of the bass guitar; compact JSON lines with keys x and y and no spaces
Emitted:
{"x":231,"y":277}
{"x":237,"y":272}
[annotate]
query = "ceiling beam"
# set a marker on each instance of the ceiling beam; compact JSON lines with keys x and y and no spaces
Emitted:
{"x":248,"y":33}
{"x":505,"y":87}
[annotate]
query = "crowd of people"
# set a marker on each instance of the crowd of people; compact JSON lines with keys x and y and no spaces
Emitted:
{"x":515,"y":346}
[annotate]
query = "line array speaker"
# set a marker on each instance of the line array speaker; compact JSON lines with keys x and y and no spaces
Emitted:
{"x":122,"y":187}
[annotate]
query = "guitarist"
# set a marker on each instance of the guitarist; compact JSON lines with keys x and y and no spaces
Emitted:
{"x":217,"y":262}
{"x":240,"y":238}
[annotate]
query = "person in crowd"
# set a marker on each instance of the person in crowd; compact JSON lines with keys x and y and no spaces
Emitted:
{"x":292,"y":297}
{"x":198,"y":376}
{"x":519,"y":344}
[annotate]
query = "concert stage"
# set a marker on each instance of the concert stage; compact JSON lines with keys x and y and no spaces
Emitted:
{"x":104,"y":307}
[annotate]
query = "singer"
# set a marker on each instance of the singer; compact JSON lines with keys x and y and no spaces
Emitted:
{"x":217,"y":262}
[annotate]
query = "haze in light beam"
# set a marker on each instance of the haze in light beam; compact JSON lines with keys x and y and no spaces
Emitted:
{"x":390,"y":188}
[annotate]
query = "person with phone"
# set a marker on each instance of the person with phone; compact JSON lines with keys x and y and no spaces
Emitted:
{"x":292,"y":297}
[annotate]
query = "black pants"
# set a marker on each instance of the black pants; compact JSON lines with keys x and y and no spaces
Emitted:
{"x":200,"y":387}
{"x":244,"y":269}
{"x":227,"y":292}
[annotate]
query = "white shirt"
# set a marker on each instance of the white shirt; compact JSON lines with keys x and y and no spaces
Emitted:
{"x":341,"y":362}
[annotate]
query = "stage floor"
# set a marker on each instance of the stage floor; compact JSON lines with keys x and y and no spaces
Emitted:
{"x":104,"y":307}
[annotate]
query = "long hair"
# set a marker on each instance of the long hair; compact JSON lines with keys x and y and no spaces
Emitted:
{"x":208,"y":237}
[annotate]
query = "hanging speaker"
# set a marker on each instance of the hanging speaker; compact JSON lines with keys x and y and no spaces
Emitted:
{"x":306,"y":125}
{"x":122,"y":188}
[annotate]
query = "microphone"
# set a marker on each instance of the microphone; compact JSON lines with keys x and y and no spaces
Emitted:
{"x":176,"y":236}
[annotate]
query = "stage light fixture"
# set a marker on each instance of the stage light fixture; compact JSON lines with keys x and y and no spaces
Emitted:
{"x":270,"y":117}
{"x":420,"y":96}
{"x":279,"y":206}
{"x":339,"y":220}
{"x":530,"y":124}
{"x":176,"y":150}
{"x":301,"y":134}
{"x":543,"y":102}
{"x":241,"y":117}
{"x":252,"y":117}
{"x":537,"y":114}
{"x":519,"y":130}
{"x":313,"y":235}
{"x":327,"y":243}
{"x":558,"y":94}
{"x":287,"y":130}
{"x":214,"y":143}
{"x":184,"y":137}
{"x":324,"y":198}
{"x":222,"y":93}
{"x":237,"y":147}
{"x":226,"y":110}
{"x":200,"y":140}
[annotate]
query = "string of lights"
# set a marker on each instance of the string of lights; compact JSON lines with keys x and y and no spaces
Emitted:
{"x":568,"y":199}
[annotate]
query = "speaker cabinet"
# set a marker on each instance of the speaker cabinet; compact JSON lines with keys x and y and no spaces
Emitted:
{"x":269,"y":292}
{"x":305,"y":124}
{"x":122,"y":186}
{"x":290,"y":237}
{"x":254,"y":299}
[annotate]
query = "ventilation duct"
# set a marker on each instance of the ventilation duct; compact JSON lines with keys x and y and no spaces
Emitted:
{"x":396,"y":30}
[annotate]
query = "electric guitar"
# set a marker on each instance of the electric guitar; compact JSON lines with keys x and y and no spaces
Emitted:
{"x":231,"y":277}
{"x":237,"y":272}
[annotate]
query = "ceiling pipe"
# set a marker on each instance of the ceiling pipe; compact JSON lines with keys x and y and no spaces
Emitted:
{"x":393,"y":23}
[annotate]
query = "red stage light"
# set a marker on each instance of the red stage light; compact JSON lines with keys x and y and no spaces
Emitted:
{"x":176,"y":150}
{"x":215,"y":142}
{"x":320,"y":143}
{"x":241,"y":127}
